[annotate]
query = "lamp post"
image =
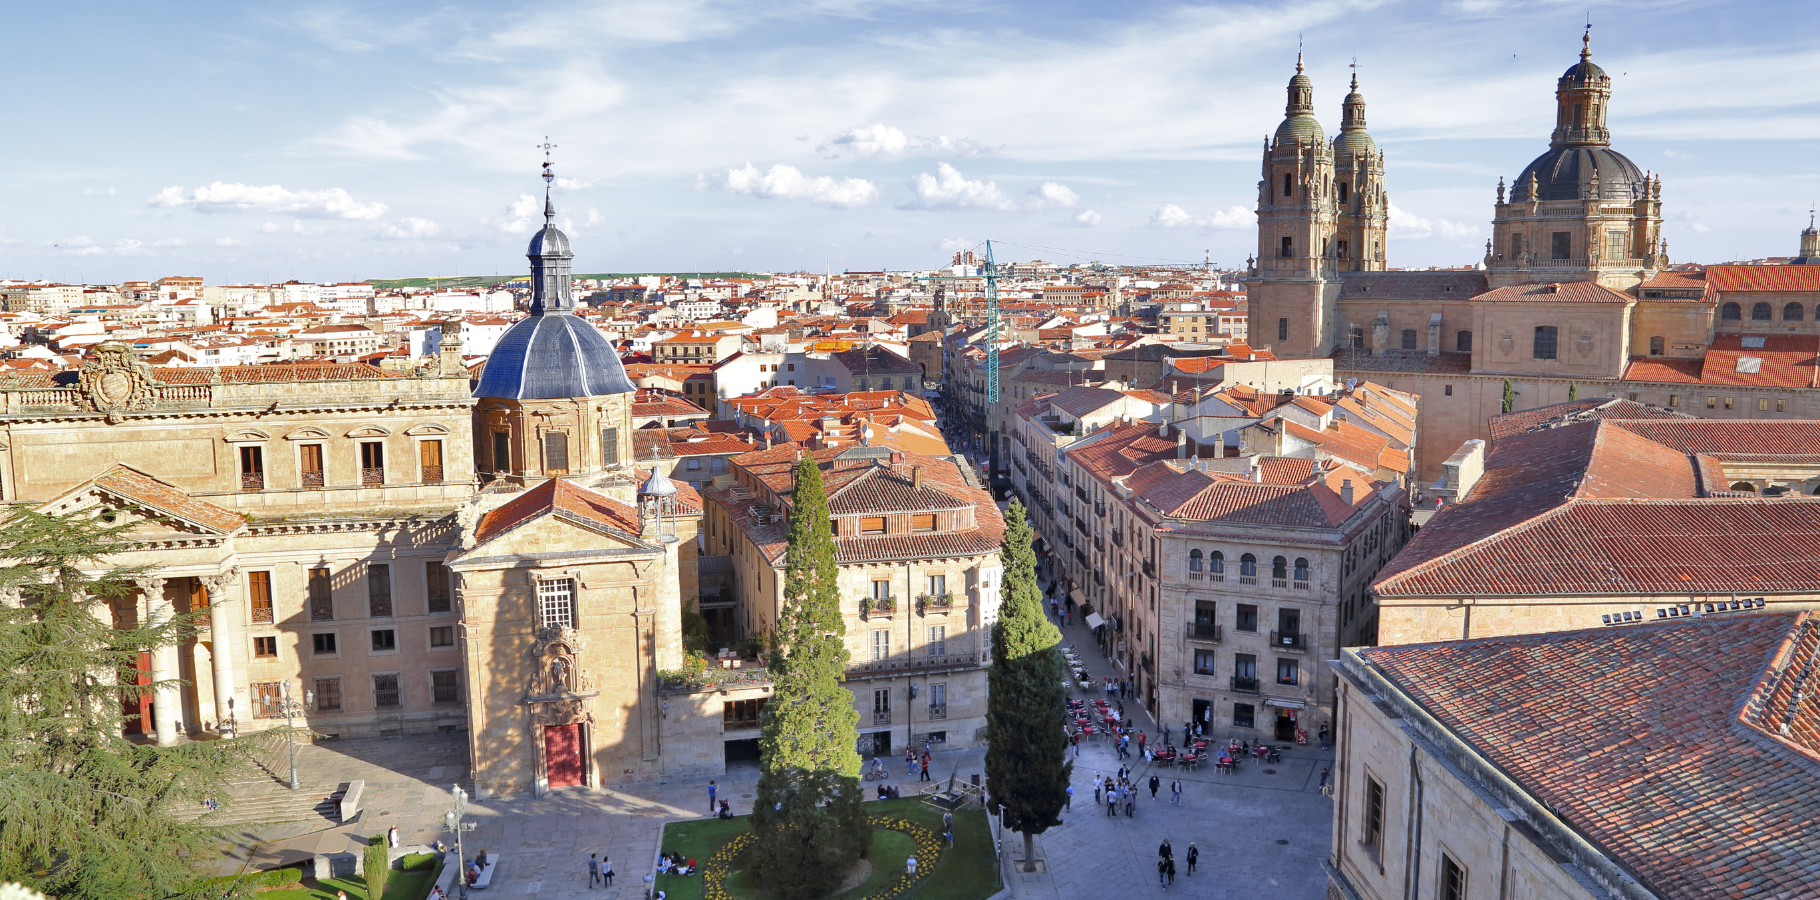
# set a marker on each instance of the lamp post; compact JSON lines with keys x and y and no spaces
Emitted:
{"x":452,"y":821}
{"x":293,"y":709}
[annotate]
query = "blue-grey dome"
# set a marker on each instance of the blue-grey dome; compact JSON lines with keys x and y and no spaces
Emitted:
{"x":550,"y":242}
{"x":547,"y":357}
{"x":1562,"y":172}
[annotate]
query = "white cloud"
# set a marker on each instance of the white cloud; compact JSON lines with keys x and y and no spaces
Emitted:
{"x":520,"y":218}
{"x":884,"y":140}
{"x":573,"y":184}
{"x":949,"y":189}
{"x":85,"y":246}
{"x":953,"y":244}
{"x":268,"y":228}
{"x":782,"y":182}
{"x":1052,"y":193}
{"x":4,"y":240}
{"x":1230,"y":218}
{"x":333,"y":203}
{"x":1086,"y":218}
{"x":99,"y":192}
{"x":229,"y":242}
{"x":408,"y":228}
{"x":594,"y":216}
{"x":297,"y":227}
{"x":1410,"y":226}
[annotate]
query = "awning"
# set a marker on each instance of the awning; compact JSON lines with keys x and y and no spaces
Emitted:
{"x":1286,"y":704}
{"x":1079,"y":597}
{"x":1094,"y":620}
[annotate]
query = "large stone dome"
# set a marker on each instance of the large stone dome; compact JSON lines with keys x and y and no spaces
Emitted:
{"x":546,"y":357}
{"x":1562,"y":172}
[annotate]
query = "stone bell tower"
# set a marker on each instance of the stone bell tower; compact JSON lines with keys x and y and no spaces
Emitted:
{"x":1294,"y":277}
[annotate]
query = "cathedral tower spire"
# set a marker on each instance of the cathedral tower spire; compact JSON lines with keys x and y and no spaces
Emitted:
{"x":1581,"y":97}
{"x":549,"y":254}
{"x":1358,"y":190}
{"x":1291,"y":309}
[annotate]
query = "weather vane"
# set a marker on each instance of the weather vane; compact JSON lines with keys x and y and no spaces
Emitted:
{"x":546,"y":147}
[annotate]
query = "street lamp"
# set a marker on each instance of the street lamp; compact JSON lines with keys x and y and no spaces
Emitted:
{"x":452,"y":821}
{"x":292,"y":709}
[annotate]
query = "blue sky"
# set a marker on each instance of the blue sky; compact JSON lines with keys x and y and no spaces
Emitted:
{"x":254,"y":141}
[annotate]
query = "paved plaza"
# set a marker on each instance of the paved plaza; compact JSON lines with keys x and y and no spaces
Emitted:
{"x":1260,"y":835}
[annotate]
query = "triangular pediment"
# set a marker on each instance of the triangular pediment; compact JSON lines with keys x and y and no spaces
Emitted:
{"x":159,"y":506}
{"x":559,"y":515}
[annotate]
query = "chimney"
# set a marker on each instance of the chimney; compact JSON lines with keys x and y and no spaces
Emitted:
{"x":1219,"y":445}
{"x":916,"y":476}
{"x":896,"y":457}
{"x":1181,"y":444}
{"x":1346,"y":491}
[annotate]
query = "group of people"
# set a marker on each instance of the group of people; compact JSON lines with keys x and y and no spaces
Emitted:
{"x":1121,"y":792}
{"x":1165,"y":862}
{"x":474,"y":867}
{"x":600,"y":870}
{"x":673,"y":863}
{"x":913,"y":765}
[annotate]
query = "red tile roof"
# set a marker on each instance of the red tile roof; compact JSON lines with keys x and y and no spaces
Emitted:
{"x":1782,"y":360}
{"x":1725,"y":279}
{"x":566,"y":500}
{"x":158,"y":495}
{"x":1575,"y":410}
{"x":1663,"y":369}
{"x":1661,"y":744}
{"x":1553,"y":292}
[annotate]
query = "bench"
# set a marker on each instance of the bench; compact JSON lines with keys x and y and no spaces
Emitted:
{"x":486,"y":874}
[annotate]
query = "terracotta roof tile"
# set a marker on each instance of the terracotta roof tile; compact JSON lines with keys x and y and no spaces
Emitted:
{"x":1725,"y":279}
{"x":1758,"y":360}
{"x":162,"y":496}
{"x":1428,"y":286}
{"x":1575,"y":410}
{"x":1663,"y":369}
{"x":1554,"y":292}
{"x":567,"y":500}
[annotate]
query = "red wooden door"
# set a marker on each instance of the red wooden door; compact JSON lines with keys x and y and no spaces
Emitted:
{"x":562,"y":754}
{"x":136,"y":706}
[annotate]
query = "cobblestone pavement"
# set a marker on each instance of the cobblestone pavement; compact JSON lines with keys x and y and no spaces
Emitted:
{"x":1260,"y":835}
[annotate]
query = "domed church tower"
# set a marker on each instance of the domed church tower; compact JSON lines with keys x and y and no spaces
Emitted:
{"x":1581,"y":211}
{"x":554,"y":399}
{"x":1295,"y":274}
{"x":1358,"y":190}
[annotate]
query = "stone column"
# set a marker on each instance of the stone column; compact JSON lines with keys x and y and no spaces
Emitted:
{"x":167,"y":701}
{"x":224,"y":631}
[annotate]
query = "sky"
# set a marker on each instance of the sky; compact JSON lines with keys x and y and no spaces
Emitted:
{"x":258,"y":142}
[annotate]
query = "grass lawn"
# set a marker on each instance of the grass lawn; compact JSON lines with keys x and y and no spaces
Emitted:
{"x":967,"y":871}
{"x":401,"y":886}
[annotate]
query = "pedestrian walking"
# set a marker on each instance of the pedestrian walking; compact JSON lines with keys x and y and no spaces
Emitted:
{"x":1096,"y":788}
{"x":1140,"y":743}
{"x":1323,"y":735}
{"x":711,"y":791}
{"x":1155,"y":784}
{"x":1162,"y":872}
{"x":606,"y":868}
{"x":593,"y":870}
{"x":1163,"y":850}
{"x":1070,"y":796}
{"x":1124,"y":740}
{"x":1074,"y":738}
{"x":1194,"y":856}
{"x":1112,"y":802}
{"x":1323,"y":778}
{"x":1130,"y":803}
{"x":1169,"y":867}
{"x":1175,"y":792}
{"x":927,"y":759}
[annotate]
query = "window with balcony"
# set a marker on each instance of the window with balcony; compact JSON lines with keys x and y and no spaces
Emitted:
{"x":429,"y":461}
{"x":385,"y":691}
{"x":881,"y":706}
{"x":1248,"y":569}
{"x":1279,"y":572}
{"x":938,"y":700}
{"x":372,"y":463}
{"x":309,"y":465}
{"x":259,"y":591}
{"x":743,"y":713}
{"x":1301,"y":573}
{"x":252,"y":468}
{"x":1197,"y":564}
{"x":1288,"y":672}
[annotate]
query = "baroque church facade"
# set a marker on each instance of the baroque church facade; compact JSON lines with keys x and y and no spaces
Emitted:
{"x":1573,"y":297}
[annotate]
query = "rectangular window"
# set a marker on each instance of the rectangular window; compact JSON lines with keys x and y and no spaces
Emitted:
{"x":555,"y":453}
{"x":1545,"y":342}
{"x":1763,"y":404}
{"x":322,"y":602}
{"x":309,"y":463}
{"x":1409,"y":338}
{"x":429,"y":461}
{"x":372,"y":463}
{"x":609,"y":447}
{"x":379,"y":591}
{"x":1781,"y":405}
{"x":1712,"y":402}
{"x":938,"y":700}
{"x":328,"y":695}
{"x":922,"y":522}
{"x":385,"y":640}
{"x":881,"y":590}
{"x":881,"y":706}
{"x":871,"y":524}
{"x":1203,"y":662}
{"x":1288,"y":248}
{"x":1616,"y":247}
{"x":268,"y":699}
{"x":1247,"y":617}
{"x":265,"y":646}
{"x":252,"y":468}
{"x":694,"y":464}
{"x":1244,"y":715}
{"x":881,"y":645}
{"x":1287,"y":672}
{"x":1561,"y":245}
{"x":436,"y":586}
{"x":1674,"y":400}
{"x":556,"y":603}
{"x":1245,"y":667}
{"x":1282,"y":329}
{"x":1372,"y":830}
{"x":1447,"y":390}
{"x":1463,"y":342}
{"x":442,"y":636}
{"x":259,"y":591}
{"x":938,"y":640}
{"x":323,"y":644}
{"x":1728,"y":403}
{"x":742,"y":713}
{"x":502,"y":452}
{"x":938,"y":585}
{"x":385,"y":691}
{"x":1453,"y":879}
{"x":444,"y":688}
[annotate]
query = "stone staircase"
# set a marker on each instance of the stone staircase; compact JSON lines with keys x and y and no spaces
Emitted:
{"x":266,"y":801}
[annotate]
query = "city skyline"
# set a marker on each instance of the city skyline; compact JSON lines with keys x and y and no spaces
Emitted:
{"x":327,"y":143}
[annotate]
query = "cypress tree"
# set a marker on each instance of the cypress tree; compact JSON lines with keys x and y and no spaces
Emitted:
{"x":1510,"y":396}
{"x":1573,"y":391}
{"x":810,"y":825}
{"x":1027,"y":767}
{"x":85,"y":813}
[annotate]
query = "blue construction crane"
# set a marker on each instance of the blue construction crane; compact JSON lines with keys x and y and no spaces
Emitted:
{"x":991,"y":327}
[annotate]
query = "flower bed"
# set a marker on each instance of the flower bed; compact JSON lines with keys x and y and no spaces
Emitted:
{"x":928,"y":850}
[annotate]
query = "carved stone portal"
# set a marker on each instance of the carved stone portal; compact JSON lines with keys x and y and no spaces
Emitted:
{"x":556,"y":672}
{"x":114,"y":380}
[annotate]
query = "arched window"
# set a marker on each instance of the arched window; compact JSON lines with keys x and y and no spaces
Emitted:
{"x":1301,"y":568}
{"x":1219,"y":563}
{"x":1759,"y":313}
{"x":1343,"y":192}
{"x":1279,"y":568}
{"x":1195,"y":561}
{"x":1545,"y":342}
{"x":1793,"y":313}
{"x":1745,"y":486}
{"x":1656,"y":346}
{"x":1730,"y":312}
{"x":1248,"y":566}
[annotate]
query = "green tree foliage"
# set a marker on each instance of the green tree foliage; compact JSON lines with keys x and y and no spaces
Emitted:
{"x":1573,"y":391}
{"x":85,"y":813}
{"x":376,"y":866}
{"x":1027,"y":767}
{"x":1510,"y":396}
{"x":810,"y":826}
